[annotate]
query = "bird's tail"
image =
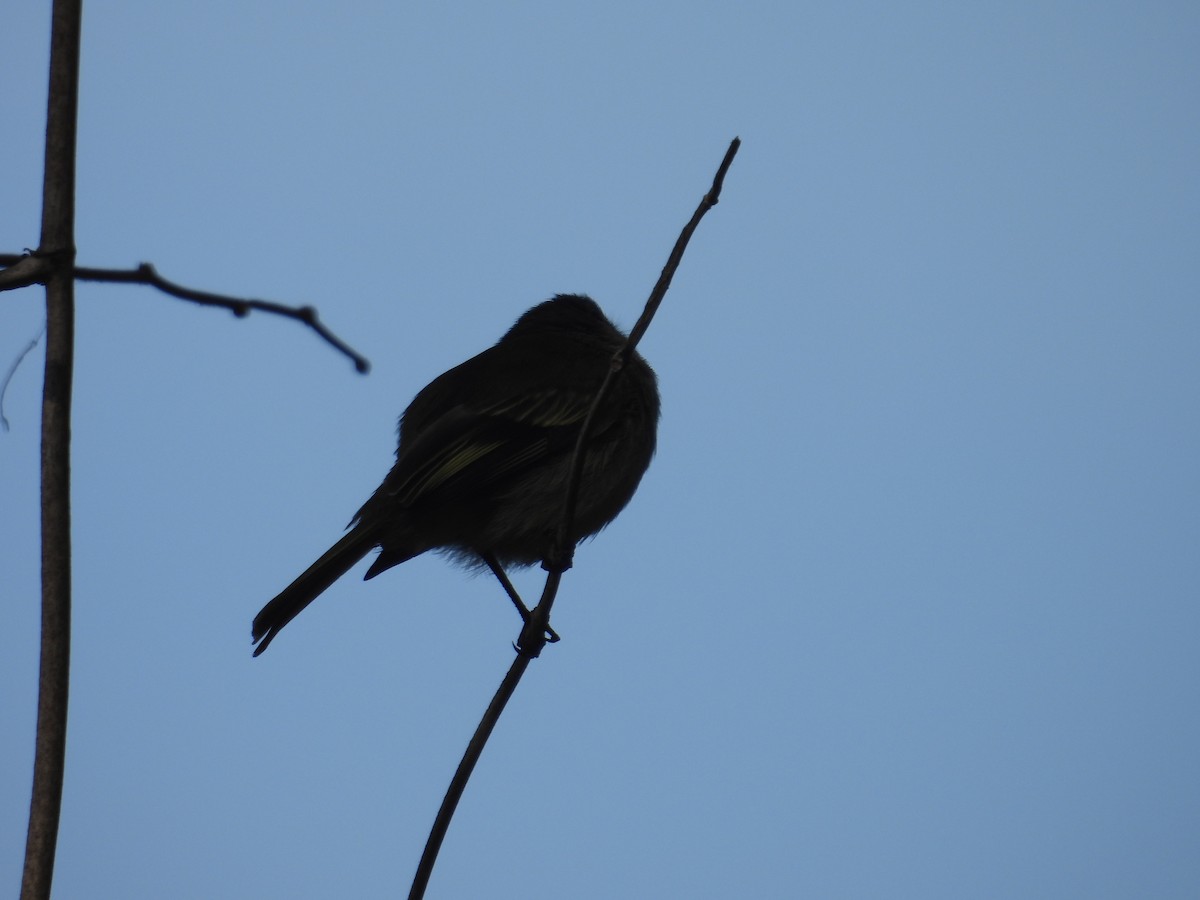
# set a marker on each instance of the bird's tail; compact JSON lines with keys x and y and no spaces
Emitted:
{"x":333,"y":564}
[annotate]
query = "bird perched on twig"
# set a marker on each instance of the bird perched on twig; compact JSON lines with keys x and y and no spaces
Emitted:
{"x":485,"y":453}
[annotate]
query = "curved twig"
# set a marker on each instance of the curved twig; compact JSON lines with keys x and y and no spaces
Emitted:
{"x":534,"y":634}
{"x":12,"y":370}
{"x":563,"y":551}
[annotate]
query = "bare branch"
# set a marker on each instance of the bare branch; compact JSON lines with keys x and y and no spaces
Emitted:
{"x":146,"y":274}
{"x":22,"y":270}
{"x":31,"y":269}
{"x":664,"y":280}
{"x":534,"y":635}
{"x":560,"y":559}
{"x":58,"y":253}
{"x":462,"y":774}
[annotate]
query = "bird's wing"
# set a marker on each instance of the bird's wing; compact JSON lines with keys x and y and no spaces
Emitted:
{"x":467,"y":449}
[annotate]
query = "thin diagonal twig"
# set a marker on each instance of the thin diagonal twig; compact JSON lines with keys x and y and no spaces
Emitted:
{"x":563,"y":551}
{"x":533,"y":635}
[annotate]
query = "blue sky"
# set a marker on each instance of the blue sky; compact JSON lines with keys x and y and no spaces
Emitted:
{"x":907,"y":603}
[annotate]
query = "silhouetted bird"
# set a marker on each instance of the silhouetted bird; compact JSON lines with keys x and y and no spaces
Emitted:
{"x":484,"y":454}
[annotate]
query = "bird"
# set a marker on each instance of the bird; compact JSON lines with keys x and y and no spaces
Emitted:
{"x":484,"y":455}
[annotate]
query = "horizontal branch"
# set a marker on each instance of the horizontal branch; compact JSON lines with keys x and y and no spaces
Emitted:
{"x":30,"y":268}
